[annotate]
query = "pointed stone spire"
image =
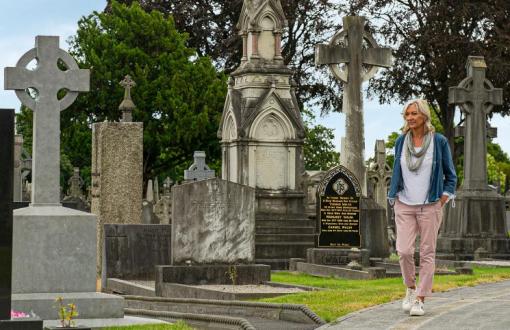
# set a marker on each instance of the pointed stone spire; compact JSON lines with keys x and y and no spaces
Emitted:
{"x":127,"y":106}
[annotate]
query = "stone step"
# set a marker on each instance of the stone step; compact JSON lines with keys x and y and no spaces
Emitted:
{"x":285,"y":223}
{"x":276,"y":264}
{"x":282,"y":250}
{"x":285,"y":230}
{"x":263,"y":238}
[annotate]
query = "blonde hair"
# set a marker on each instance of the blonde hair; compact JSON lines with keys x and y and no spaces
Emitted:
{"x":424,"y":108}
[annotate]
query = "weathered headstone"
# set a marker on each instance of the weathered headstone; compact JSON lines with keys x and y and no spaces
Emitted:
{"x":53,"y":246}
{"x":478,"y":220}
{"x":75,"y":192}
{"x":199,"y":169}
{"x":18,"y":182}
{"x":148,"y":216}
{"x":117,"y":173}
{"x":347,"y":46}
{"x":213,"y":228}
{"x":380,"y":174}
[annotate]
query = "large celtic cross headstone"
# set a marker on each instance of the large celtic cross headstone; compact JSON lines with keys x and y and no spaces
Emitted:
{"x":47,"y":79}
{"x":358,"y":49}
{"x":476,"y":96}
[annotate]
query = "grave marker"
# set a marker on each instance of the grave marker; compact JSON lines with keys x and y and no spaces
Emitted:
{"x":338,"y":213}
{"x":48,"y":79}
{"x":357,"y":57}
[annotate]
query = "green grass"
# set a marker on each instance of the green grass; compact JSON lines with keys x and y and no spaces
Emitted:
{"x":346,"y":296}
{"x":176,"y":326}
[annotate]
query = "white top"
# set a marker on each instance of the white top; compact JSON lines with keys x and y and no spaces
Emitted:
{"x":416,"y":184}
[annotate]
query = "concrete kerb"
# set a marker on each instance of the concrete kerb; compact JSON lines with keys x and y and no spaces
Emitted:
{"x":284,"y":311}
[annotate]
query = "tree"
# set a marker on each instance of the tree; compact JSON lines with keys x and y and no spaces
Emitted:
{"x":210,"y":25}
{"x":318,"y":150}
{"x":432,"y":42}
{"x":179,"y":95}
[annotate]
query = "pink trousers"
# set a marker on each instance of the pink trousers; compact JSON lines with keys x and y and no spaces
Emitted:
{"x":422,"y":220}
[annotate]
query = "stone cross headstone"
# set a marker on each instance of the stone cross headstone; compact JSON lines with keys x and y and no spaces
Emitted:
{"x":199,"y":169}
{"x":380,"y":173}
{"x":167,"y":186}
{"x":127,"y":106}
{"x":47,"y":80}
{"x":347,"y":46}
{"x":76,"y":184}
{"x":6,"y":190}
{"x":476,"y":96}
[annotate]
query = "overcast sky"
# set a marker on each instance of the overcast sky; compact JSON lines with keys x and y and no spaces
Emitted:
{"x":22,"y":20}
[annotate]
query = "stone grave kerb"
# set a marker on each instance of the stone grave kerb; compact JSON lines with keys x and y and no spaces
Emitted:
{"x":476,"y":97}
{"x":353,"y":56}
{"x":46,"y":80}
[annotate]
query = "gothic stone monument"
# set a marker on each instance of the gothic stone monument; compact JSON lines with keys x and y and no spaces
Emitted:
{"x":358,"y":49}
{"x":117,"y":160}
{"x":262,"y":134}
{"x":54,"y":247}
{"x":478,"y":220}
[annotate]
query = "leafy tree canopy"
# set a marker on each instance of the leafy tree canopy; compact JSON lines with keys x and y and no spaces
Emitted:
{"x":179,"y":95}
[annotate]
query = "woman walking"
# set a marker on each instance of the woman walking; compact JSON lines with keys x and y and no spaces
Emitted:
{"x":423,"y":181}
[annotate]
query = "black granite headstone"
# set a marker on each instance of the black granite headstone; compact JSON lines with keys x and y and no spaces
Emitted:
{"x":6,"y":197}
{"x":6,"y":225}
{"x":338,"y":210}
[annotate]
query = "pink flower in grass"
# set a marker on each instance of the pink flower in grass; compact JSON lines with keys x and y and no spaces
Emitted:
{"x":18,"y":315}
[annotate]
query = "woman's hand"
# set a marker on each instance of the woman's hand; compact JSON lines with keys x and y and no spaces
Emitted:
{"x":443,"y":200}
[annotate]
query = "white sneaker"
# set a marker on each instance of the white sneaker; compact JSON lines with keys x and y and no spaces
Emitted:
{"x":409,"y":299}
{"x":417,"y":309}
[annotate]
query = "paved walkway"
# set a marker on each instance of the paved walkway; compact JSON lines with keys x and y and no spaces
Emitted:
{"x":485,"y":306}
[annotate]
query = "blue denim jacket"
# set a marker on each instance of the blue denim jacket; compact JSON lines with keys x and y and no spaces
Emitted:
{"x":443,"y":179}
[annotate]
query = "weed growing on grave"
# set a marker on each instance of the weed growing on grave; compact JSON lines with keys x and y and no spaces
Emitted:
{"x":66,"y":313}
{"x":232,"y":275}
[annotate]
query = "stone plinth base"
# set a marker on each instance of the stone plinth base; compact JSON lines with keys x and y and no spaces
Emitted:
{"x":280,"y":202}
{"x":21,"y":324}
{"x":341,"y":271}
{"x":54,"y":250}
{"x":212,"y":274}
{"x":90,"y":305}
{"x":373,"y":228}
{"x":335,"y":257}
{"x":477,"y":221}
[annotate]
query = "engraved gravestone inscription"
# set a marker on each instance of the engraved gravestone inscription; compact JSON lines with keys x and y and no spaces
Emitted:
{"x":338,"y":210}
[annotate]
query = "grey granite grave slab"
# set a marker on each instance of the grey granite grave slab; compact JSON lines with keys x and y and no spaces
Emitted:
{"x":213,"y":221}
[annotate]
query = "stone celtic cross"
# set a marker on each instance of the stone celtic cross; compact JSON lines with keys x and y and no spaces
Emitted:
{"x":47,"y":79}
{"x":127,"y":106}
{"x":476,"y":96}
{"x":362,"y":58}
